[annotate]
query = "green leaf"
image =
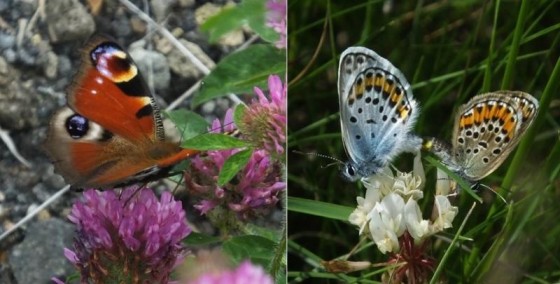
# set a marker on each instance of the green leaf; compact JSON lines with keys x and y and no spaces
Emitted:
{"x":258,"y":249}
{"x":190,"y":124}
{"x":240,"y":72}
{"x":213,"y":141}
{"x":239,"y":113}
{"x":269,"y":233}
{"x":248,"y":12}
{"x":318,"y":208}
{"x":198,"y":239}
{"x":233,"y":165}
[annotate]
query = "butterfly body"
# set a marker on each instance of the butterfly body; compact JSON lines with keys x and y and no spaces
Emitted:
{"x":377,"y":112}
{"x":486,"y":130}
{"x":111,"y":132}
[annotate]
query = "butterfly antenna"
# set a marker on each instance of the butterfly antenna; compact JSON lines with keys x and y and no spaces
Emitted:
{"x":336,"y":161}
{"x":495,"y":192}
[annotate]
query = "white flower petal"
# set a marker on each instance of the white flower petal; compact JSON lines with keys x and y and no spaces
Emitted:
{"x":444,"y":184}
{"x":446,"y":214}
{"x":415,"y":225}
{"x":381,"y":230}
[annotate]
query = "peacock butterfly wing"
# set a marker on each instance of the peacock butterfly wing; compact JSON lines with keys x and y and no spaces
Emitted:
{"x":111,"y":132}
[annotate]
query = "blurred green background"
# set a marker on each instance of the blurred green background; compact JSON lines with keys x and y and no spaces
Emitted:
{"x":449,"y":51}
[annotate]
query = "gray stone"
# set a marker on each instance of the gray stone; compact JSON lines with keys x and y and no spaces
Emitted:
{"x":68,"y":20}
{"x":41,"y":254}
{"x":153,"y":66}
{"x":183,"y":67}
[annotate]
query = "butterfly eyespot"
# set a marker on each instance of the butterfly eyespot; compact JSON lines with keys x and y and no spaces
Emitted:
{"x":368,"y":100}
{"x":475,"y":151}
{"x":77,"y":126}
{"x":358,"y":137}
{"x":468,"y":151}
{"x":498,"y":139}
{"x":384,"y":118}
{"x":375,"y":101}
{"x":496,"y":151}
{"x":483,"y":144}
{"x":485,"y":160}
{"x":482,"y":130}
{"x":370,"y":121}
{"x":468,"y":133}
{"x":360,"y":110}
{"x":353,"y":119}
{"x":394,"y":120}
{"x":360,"y":60}
{"x":475,"y":135}
{"x":381,"y":109}
{"x":461,"y":140}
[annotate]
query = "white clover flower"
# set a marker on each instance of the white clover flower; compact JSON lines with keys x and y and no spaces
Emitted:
{"x":417,"y":227}
{"x":387,"y":223}
{"x":445,"y":214}
{"x":390,"y":207}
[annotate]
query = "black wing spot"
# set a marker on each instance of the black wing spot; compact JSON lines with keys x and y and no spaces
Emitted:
{"x":146,"y":110}
{"x":353,"y":119}
{"x":358,"y":137}
{"x":106,"y":136}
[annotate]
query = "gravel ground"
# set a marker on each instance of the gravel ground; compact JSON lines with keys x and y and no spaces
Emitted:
{"x":39,"y":51}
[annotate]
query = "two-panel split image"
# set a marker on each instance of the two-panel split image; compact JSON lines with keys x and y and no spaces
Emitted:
{"x":279,"y":141}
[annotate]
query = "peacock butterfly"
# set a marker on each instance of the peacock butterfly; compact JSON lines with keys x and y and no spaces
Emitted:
{"x":110,"y":133}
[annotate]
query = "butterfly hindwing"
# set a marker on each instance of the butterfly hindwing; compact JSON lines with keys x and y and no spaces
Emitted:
{"x":488,"y":128}
{"x":377,"y":110}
